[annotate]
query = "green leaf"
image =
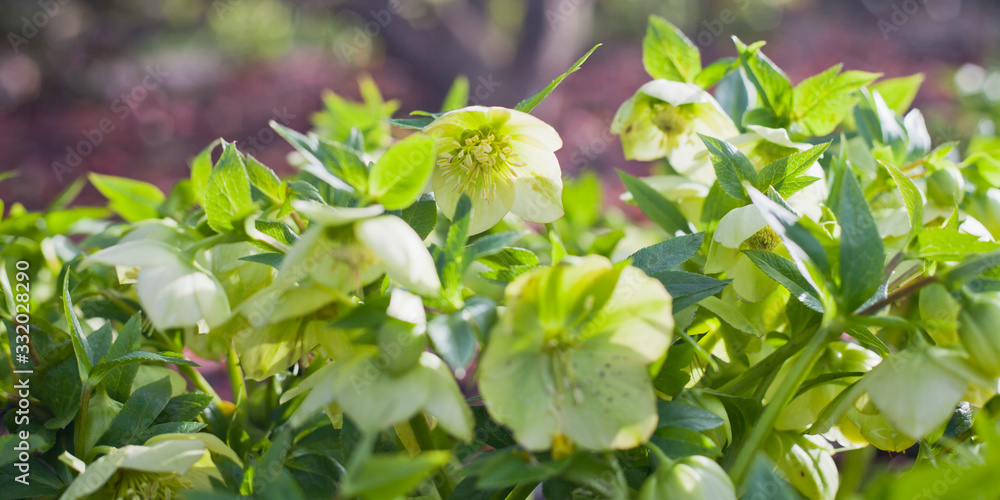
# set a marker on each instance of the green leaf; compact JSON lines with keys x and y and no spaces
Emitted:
{"x":948,"y":245}
{"x":678,"y":442}
{"x":899,"y":92}
{"x":530,"y":103}
{"x":822,"y":101}
{"x":227,"y":195}
{"x":716,"y":71}
{"x":764,"y":481}
{"x":667,"y":53}
{"x":732,"y":167}
{"x":421,"y":215}
{"x":316,"y":474}
{"x":456,"y":336}
{"x":103,"y":369}
{"x":731,"y":315}
{"x":688,"y":289}
{"x":667,"y":254}
{"x":391,"y":476}
{"x":336,"y":164}
{"x":201,"y":168}
{"x":785,"y":273}
{"x":788,"y":167}
{"x":862,"y":254}
{"x":264,"y":179}
{"x":457,"y":96}
{"x":659,"y":209}
{"x":402,"y":172}
{"x":169,"y":428}
{"x":800,"y":242}
{"x":868,"y":339}
{"x":184,"y":407}
{"x":138,"y":413}
{"x":131,"y":199}
{"x":417,"y":123}
{"x":912,"y":200}
{"x":771,"y":82}
{"x":451,"y":261}
{"x":493,"y":243}
{"x":81,"y":347}
{"x":678,"y":414}
{"x":272,"y":259}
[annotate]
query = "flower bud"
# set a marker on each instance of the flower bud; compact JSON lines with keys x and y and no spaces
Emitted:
{"x":100,"y":412}
{"x":864,"y":423}
{"x":978,"y":332}
{"x":691,"y":478}
{"x":946,"y":187}
{"x":806,"y":464}
{"x":940,"y":311}
{"x":400,"y":345}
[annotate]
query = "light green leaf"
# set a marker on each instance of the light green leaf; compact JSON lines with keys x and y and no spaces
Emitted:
{"x":668,"y":53}
{"x":201,"y":168}
{"x":392,"y":476}
{"x":716,"y":71}
{"x":948,"y":245}
{"x":789,"y":167}
{"x":899,"y":92}
{"x":227,"y":194}
{"x":264,"y":179}
{"x":401,"y":173}
{"x":530,"y":103}
{"x":912,"y":200}
{"x":771,"y":82}
{"x":822,"y":101}
{"x":458,"y":95}
{"x":81,"y":348}
{"x":732,"y":316}
{"x":131,"y":199}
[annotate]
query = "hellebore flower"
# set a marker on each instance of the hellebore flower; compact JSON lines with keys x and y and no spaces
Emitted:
{"x":347,"y":248}
{"x":163,"y":468}
{"x":664,"y":118}
{"x":502,"y":159}
{"x":387,"y":383}
{"x":742,"y":228}
{"x":175,"y":291}
{"x":568,"y":362}
{"x":806,"y":462}
{"x":690,"y":478}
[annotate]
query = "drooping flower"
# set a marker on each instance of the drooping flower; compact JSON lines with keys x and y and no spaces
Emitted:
{"x":742,"y":228}
{"x":568,"y":362}
{"x":163,"y":468}
{"x":175,"y":291}
{"x":806,"y":462}
{"x":502,"y":159}
{"x":663,"y":120}
{"x":690,"y":478}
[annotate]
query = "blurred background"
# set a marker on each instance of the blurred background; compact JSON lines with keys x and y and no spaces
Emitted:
{"x":137,"y":87}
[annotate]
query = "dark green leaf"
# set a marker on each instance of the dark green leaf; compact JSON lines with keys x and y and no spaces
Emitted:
{"x":677,"y":414}
{"x":184,"y":407}
{"x":771,"y":82}
{"x":421,"y":215}
{"x":785,"y":273}
{"x":732,"y":167}
{"x":138,"y":413}
{"x":227,"y":194}
{"x":678,"y":442}
{"x":862,"y":254}
{"x":493,"y":243}
{"x":800,"y":242}
{"x":868,"y":339}
{"x":118,"y":382}
{"x":272,"y":259}
{"x":668,"y":253}
{"x":659,"y":209}
{"x":81,"y":348}
{"x":101,"y":370}
{"x":687,"y":288}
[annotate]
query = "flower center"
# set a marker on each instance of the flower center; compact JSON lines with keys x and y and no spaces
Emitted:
{"x":135,"y":485}
{"x":479,"y":161}
{"x":765,"y":239}
{"x":668,"y":119}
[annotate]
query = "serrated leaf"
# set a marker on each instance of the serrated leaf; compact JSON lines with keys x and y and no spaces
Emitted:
{"x":493,"y":243}
{"x":788,"y":167}
{"x":530,"y":103}
{"x":265,"y":180}
{"x":659,"y":209}
{"x":800,"y":242}
{"x":688,"y":289}
{"x":184,"y":407}
{"x":201,"y":168}
{"x":421,"y":215}
{"x":81,"y":347}
{"x":667,"y":254}
{"x":131,"y":199}
{"x":732,"y":167}
{"x":137,"y":414}
{"x":668,"y":53}
{"x":822,"y":101}
{"x":948,"y":245}
{"x":912,"y":200}
{"x":868,"y":339}
{"x":402,"y":172}
{"x":716,"y":71}
{"x":785,"y":273}
{"x":770,"y":81}
{"x":862,"y":253}
{"x":227,"y":194}
{"x":102,"y":369}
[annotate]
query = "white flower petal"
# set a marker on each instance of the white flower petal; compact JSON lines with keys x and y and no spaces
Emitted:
{"x":738,"y":225}
{"x":749,"y":282}
{"x":538,"y":188}
{"x":401,"y":251}
{"x":521,"y":125}
{"x":778,"y":136}
{"x":178,"y":295}
{"x":174,"y":456}
{"x":134,"y":253}
{"x":334,"y":216}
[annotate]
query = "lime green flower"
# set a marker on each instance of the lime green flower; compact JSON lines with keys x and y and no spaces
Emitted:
{"x":742,"y":228}
{"x":806,"y":463}
{"x":502,"y":159}
{"x":174,"y":290}
{"x":663,"y":120}
{"x":163,"y":468}
{"x":568,"y":361}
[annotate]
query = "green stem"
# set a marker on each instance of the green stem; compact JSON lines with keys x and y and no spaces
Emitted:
{"x":81,"y":423}
{"x":236,"y":381}
{"x":422,"y":433}
{"x":786,"y":390}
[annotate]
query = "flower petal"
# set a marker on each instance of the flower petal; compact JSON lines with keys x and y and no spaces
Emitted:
{"x":401,"y":251}
{"x":334,"y":216}
{"x":738,"y":225}
{"x":522,"y":126}
{"x":538,"y":185}
{"x":178,"y":295}
{"x":445,"y":401}
{"x":748,"y":281}
{"x":134,"y":253}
